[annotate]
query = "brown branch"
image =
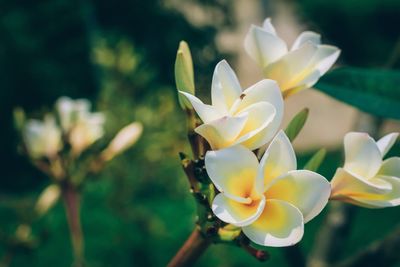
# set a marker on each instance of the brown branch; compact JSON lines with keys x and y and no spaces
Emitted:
{"x":191,"y":250}
{"x":71,"y":199}
{"x":384,"y":252}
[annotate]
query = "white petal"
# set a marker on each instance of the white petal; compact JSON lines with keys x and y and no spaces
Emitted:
{"x":280,"y":225}
{"x":362,"y":155}
{"x":256,"y":130}
{"x":238,"y":214}
{"x":65,"y":107}
{"x":223,"y":132}
{"x":389,"y":199}
{"x":306,"y":190}
{"x":279,"y":158}
{"x":206,"y":113}
{"x":304,"y":37}
{"x":225,"y":87}
{"x":349,"y":184}
{"x":324,"y":58}
{"x":264,"y":47}
{"x":267,"y":26}
{"x":390,"y":167}
{"x":386,"y":142}
{"x":264,"y":90}
{"x":290,"y":70}
{"x":232,"y":170}
{"x":321,"y":62}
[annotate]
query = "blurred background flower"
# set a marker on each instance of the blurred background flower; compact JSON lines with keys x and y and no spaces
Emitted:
{"x":120,"y":55}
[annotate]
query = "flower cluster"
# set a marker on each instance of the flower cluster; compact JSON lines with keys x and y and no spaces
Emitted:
{"x":266,"y":196}
{"x":63,"y":135}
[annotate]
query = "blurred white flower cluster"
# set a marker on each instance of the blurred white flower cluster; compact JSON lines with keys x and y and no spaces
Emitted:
{"x":74,"y":128}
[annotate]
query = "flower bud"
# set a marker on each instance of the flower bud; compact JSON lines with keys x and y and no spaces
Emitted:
{"x":124,"y":139}
{"x":184,"y":76}
{"x":47,"y":199}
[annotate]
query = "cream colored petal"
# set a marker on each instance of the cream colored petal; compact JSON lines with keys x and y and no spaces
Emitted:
{"x":279,"y":158}
{"x":65,"y":107}
{"x":386,"y":142}
{"x":223,"y":132}
{"x":389,"y":199}
{"x":324,"y":58}
{"x":290,"y":70}
{"x":238,"y":214}
{"x":232,"y":170}
{"x":280,"y":225}
{"x":309,"y":81}
{"x":264,"y":90}
{"x":268,"y":91}
{"x":206,"y":113}
{"x":256,"y":131}
{"x":267,"y":26}
{"x":306,"y":190}
{"x":390,"y":167}
{"x":304,"y":37}
{"x":264,"y":47}
{"x":225,"y":87}
{"x":321,"y":62}
{"x":362,"y":155}
{"x":349,"y":184}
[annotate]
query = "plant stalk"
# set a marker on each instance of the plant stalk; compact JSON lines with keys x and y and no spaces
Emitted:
{"x":191,"y":250}
{"x":71,"y":197}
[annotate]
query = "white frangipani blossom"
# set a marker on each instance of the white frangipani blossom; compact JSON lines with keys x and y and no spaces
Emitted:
{"x":296,"y":68}
{"x":366,"y":179}
{"x":270,"y":200}
{"x":81,"y":126}
{"x":42,"y":138}
{"x":250,"y":117}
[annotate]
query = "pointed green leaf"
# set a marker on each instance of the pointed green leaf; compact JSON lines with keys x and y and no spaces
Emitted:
{"x":184,"y":76}
{"x":316,"y":160}
{"x":296,"y":124}
{"x":371,"y":90}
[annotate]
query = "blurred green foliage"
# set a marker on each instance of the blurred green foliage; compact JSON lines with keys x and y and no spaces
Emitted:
{"x":120,"y":54}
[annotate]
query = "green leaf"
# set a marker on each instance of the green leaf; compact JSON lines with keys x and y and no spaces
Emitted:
{"x":184,"y":76}
{"x":316,"y":160}
{"x":371,"y":90}
{"x":296,"y":124}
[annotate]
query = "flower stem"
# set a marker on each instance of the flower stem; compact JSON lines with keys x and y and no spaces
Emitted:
{"x":191,"y":250}
{"x":71,"y":199}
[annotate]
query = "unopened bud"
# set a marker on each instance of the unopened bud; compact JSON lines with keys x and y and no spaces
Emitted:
{"x":124,"y":139}
{"x":47,"y":199}
{"x":184,"y":76}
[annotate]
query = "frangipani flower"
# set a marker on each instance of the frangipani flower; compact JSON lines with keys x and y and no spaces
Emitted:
{"x":295,"y":69}
{"x":270,"y":200}
{"x":366,"y":180}
{"x":42,"y":138}
{"x":250,"y":117}
{"x":81,"y":126}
